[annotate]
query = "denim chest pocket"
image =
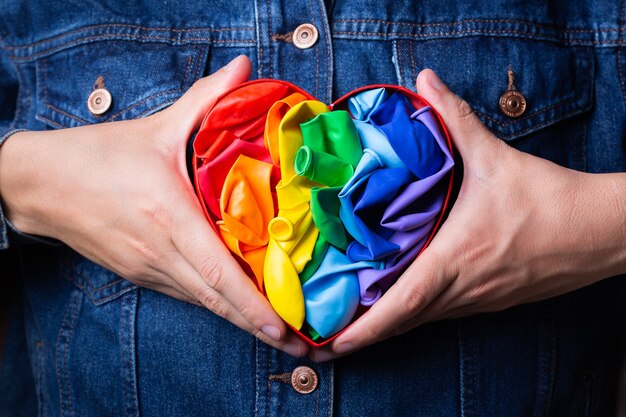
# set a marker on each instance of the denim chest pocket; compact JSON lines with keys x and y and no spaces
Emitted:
{"x":141,"y":78}
{"x":555,"y":80}
{"x":99,"y":284}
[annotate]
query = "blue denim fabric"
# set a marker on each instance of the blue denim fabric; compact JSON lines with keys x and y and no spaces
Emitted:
{"x":98,"y":345}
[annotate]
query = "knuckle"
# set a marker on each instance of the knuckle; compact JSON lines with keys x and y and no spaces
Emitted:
{"x":214,"y":302}
{"x":158,"y":213}
{"x":211,"y":271}
{"x":464,"y":110}
{"x":374,"y":333}
{"x":147,"y":252}
{"x":412,"y":302}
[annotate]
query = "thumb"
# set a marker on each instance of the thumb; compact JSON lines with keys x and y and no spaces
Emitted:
{"x":189,"y":110}
{"x":466,"y":129}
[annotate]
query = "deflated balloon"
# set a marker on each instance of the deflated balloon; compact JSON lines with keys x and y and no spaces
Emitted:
{"x":246,"y":207}
{"x":292,"y":233}
{"x":332,"y":293}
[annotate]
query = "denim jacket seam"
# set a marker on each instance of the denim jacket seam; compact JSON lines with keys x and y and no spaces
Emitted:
{"x":62,"y":349}
{"x":459,"y":23}
{"x":128,"y":37}
{"x":111,"y":118}
{"x":620,"y":70}
{"x":91,"y":291}
{"x":562,"y":37}
{"x":539,"y":126}
{"x":124,"y":25}
{"x":317,"y":57}
{"x":188,"y":69}
{"x":559,"y":103}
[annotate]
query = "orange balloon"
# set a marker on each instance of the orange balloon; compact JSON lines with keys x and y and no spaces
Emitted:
{"x":247,"y":207}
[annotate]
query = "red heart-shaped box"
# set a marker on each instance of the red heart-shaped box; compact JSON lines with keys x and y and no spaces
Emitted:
{"x":243,"y":101}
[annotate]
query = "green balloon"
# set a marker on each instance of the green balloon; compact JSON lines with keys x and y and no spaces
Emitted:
{"x":334,"y":133}
{"x":325,"y":211}
{"x":322,"y":167}
{"x":319,"y":251}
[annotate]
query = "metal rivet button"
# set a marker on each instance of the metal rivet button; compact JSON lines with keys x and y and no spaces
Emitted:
{"x":99,"y":101}
{"x":304,"y":379}
{"x":512,"y":102}
{"x":305,"y":36}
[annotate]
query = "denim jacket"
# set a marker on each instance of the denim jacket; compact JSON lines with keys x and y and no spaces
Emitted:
{"x":99,"y":345}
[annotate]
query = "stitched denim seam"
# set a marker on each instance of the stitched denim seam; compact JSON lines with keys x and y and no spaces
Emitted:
{"x":331,"y":379}
{"x":395,"y":54}
{"x":561,"y":103}
{"x":257,"y":378}
{"x":476,"y":32}
{"x":127,"y":38}
{"x":155,"y":95}
{"x":452,"y":33}
{"x":268,"y":355}
{"x":259,"y":43}
{"x":532,"y":25}
{"x":50,"y":121}
{"x":129,"y":370}
{"x":317,"y":403}
{"x":77,"y":119}
{"x":460,"y":22}
{"x":467,"y":368}
{"x":128,"y":26}
{"x":329,"y":52}
{"x":20,"y":87}
{"x":539,"y":126}
{"x":620,"y":49}
{"x":413,"y":75}
{"x":317,"y":60}
{"x":186,"y":75}
{"x":457,"y":35}
{"x":116,"y":115}
{"x":269,"y":44}
{"x":200,"y":63}
{"x":41,"y":379}
{"x":83,"y":284}
{"x":62,"y":349}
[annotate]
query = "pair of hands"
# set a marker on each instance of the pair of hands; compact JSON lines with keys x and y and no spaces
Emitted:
{"x":522,"y":228}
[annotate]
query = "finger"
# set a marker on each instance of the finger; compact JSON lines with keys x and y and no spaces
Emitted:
{"x":188,"y":278}
{"x":466,"y":129}
{"x":421,"y":283}
{"x":199,"y":245}
{"x":189,"y":110}
{"x":192,"y":283}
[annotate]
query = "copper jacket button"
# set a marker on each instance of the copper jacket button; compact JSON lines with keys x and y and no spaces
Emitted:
{"x":304,"y":379}
{"x":512,"y":103}
{"x":99,"y":101}
{"x":305,"y":36}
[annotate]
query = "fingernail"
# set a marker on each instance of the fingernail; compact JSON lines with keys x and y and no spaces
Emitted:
{"x":272,"y":332}
{"x":293,"y":349}
{"x":343,"y":348}
{"x":231,"y":65}
{"x":434,"y":81}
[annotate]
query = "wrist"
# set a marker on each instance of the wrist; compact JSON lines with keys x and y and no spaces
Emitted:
{"x":18,"y":177}
{"x":597,"y":224}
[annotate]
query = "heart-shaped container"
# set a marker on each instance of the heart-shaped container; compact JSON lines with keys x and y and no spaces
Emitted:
{"x":243,"y":100}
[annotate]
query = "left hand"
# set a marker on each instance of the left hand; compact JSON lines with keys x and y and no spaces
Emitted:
{"x":522,"y":229}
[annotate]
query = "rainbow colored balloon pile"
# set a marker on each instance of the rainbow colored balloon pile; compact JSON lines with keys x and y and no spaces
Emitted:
{"x":325,"y":209}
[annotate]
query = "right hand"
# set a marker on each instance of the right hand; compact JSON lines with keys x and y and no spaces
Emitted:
{"x":119,"y":194}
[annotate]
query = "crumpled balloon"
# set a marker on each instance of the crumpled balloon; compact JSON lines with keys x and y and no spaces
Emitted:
{"x":325,"y":209}
{"x":292,"y":232}
{"x":409,"y":218}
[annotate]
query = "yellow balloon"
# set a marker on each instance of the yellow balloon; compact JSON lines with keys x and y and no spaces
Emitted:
{"x":292,"y":233}
{"x":282,"y":285}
